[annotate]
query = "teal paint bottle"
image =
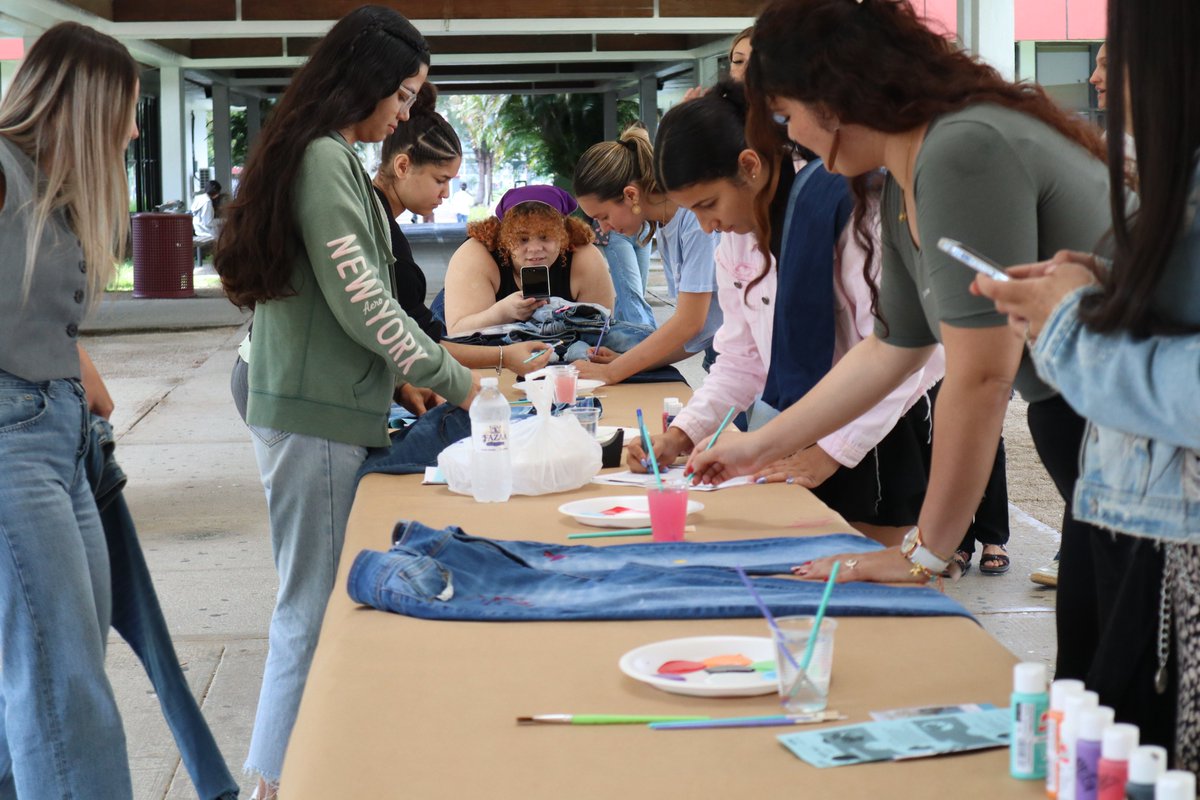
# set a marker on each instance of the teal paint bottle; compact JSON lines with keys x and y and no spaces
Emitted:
{"x":1027,"y":732}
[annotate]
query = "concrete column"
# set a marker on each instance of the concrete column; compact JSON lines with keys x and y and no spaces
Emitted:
{"x":253,"y":121}
{"x":1027,"y":61}
{"x":7,"y":70}
{"x":648,"y":99}
{"x":173,"y":152}
{"x":988,"y":28}
{"x":707,"y":71}
{"x":222,"y":144}
{"x":610,"y":116}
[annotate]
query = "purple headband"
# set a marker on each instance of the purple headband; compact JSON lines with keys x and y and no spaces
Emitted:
{"x":561,"y":201}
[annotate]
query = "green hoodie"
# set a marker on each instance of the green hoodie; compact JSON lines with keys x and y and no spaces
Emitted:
{"x":324,"y":361}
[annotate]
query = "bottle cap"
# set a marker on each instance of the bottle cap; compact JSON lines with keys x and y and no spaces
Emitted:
{"x":486,"y":382}
{"x":1175,"y":784}
{"x":1076,"y":704}
{"x":669,"y":401}
{"x":1029,"y":678}
{"x":1061,"y":689}
{"x":1146,"y":764}
{"x":1119,"y":742}
{"x":1094,"y":722}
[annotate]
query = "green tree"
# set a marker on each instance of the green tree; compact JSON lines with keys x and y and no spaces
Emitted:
{"x":554,"y":129}
{"x":478,"y":115}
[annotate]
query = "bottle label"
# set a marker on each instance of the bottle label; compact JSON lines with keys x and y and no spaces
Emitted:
{"x":492,"y":438}
{"x":1028,"y":740}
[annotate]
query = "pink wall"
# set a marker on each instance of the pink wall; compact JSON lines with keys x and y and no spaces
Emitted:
{"x":1035,"y":19}
{"x":12,"y":49}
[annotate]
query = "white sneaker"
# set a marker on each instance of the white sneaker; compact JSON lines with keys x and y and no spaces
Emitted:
{"x":1047,"y":575}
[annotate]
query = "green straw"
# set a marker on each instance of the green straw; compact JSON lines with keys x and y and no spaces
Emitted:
{"x":606,"y":534}
{"x":819,"y":618}
{"x":649,"y":448}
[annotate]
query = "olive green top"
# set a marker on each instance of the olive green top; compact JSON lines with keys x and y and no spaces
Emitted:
{"x":1003,"y":183}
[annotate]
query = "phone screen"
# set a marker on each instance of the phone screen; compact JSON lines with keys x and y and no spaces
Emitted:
{"x":535,"y":281}
{"x":976,"y":261}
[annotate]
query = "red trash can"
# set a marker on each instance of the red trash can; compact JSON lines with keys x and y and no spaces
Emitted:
{"x":162,"y":255}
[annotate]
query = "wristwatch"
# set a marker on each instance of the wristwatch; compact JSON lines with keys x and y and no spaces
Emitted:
{"x":924,"y":560}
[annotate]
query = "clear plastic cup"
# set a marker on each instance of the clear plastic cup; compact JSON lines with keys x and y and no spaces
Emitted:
{"x":798,"y":694}
{"x":588,"y":417}
{"x":668,"y":510}
{"x":563,"y":379}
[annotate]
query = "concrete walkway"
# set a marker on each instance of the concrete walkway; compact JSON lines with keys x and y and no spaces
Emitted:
{"x":195,"y":495}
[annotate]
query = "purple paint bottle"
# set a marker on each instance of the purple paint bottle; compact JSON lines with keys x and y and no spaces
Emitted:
{"x":1092,"y":725}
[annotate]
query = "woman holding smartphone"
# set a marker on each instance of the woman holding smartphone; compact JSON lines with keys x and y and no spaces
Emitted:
{"x":306,"y":243}
{"x":617,"y":187}
{"x":1122,"y":343}
{"x":969,"y":156}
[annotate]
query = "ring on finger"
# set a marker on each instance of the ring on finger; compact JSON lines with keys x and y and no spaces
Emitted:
{"x":851,"y":563}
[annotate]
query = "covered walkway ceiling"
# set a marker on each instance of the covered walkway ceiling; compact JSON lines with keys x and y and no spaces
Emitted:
{"x":479,"y":46}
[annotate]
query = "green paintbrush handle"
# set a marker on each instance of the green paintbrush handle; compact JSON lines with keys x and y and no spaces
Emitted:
{"x":606,"y":534}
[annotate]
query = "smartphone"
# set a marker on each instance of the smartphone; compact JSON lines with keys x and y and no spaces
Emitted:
{"x":977,"y":262}
{"x":535,"y":281}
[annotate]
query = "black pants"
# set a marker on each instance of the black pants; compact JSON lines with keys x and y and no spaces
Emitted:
{"x":1108,"y":593}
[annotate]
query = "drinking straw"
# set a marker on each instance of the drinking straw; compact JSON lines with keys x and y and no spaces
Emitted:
{"x":626,"y":532}
{"x":766,"y":612}
{"x":649,"y":448}
{"x":819,"y":618}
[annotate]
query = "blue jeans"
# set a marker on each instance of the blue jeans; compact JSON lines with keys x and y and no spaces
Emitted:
{"x":137,"y":616}
{"x":578,"y":326}
{"x":448,"y":574}
{"x":61,"y":735}
{"x":629,"y":266}
{"x":309,"y":483}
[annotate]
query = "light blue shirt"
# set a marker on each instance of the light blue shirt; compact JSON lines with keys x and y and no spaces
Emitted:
{"x":687,"y":254}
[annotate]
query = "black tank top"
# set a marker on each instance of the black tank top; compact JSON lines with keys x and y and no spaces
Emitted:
{"x":560,"y":278}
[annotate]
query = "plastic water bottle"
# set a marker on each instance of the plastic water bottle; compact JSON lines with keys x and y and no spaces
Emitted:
{"x":491,"y":460}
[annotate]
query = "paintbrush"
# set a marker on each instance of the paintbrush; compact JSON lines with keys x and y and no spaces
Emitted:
{"x":604,"y":719}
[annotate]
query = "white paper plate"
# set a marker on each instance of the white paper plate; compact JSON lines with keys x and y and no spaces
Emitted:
{"x":642,"y":664}
{"x":591,"y":511}
{"x":583,"y":386}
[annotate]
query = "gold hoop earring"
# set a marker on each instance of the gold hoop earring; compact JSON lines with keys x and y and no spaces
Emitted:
{"x":833,"y":150}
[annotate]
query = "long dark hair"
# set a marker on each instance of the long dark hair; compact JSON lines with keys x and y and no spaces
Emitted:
{"x":700,"y":141}
{"x":427,"y":138}
{"x":1156,"y":47}
{"x":362,"y":60}
{"x":876,"y":63}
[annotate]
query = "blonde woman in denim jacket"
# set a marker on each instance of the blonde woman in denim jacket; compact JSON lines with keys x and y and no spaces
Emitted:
{"x":1121,"y":341}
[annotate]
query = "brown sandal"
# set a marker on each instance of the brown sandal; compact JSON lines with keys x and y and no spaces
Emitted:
{"x":961,"y":560}
{"x":994,"y":563}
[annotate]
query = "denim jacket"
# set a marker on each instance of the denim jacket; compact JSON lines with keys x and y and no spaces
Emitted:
{"x":1140,"y":464}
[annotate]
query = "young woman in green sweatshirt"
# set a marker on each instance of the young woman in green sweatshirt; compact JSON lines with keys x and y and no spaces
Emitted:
{"x":307,"y":245}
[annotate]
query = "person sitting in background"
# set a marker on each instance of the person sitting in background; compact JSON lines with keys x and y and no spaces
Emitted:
{"x":531,"y":228}
{"x":206,"y":212}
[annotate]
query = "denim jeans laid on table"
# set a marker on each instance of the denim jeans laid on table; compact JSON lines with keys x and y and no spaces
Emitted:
{"x":448,"y":574}
{"x":309,"y":483}
{"x":60,"y":733}
{"x":138,"y":618}
{"x":629,"y":266}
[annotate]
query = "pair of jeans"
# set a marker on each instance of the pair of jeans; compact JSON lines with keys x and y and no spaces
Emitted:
{"x":309,"y":483}
{"x":580,"y":326}
{"x":629,"y":266}
{"x":448,"y":574}
{"x":61,"y":735}
{"x":138,"y":618}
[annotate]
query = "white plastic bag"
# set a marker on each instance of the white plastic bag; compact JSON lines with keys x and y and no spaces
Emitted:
{"x":549,"y":454}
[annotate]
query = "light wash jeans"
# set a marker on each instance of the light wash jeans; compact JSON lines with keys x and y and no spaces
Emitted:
{"x":61,"y":736}
{"x":309,"y":483}
{"x":629,"y":266}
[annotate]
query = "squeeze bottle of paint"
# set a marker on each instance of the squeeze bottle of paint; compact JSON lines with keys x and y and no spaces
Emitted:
{"x":1068,"y":733}
{"x":1146,"y":765}
{"x":1116,"y":747}
{"x":1175,"y":784}
{"x":1060,"y":690}
{"x":671,"y":408}
{"x":1092,"y":725}
{"x":1027,"y":734}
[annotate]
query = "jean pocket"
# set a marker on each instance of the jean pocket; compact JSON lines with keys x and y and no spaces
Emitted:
{"x":268,"y":436}
{"x":21,"y":408}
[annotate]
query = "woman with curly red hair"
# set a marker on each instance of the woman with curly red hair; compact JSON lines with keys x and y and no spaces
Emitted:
{"x":532,"y":228}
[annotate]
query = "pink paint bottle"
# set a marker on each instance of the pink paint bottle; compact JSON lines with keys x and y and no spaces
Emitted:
{"x":1116,"y":748}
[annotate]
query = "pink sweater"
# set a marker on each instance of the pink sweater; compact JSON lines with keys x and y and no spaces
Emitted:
{"x":744,"y":343}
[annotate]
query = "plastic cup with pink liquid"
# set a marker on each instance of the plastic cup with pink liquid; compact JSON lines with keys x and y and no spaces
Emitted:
{"x":563,"y":379}
{"x":668,"y":510}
